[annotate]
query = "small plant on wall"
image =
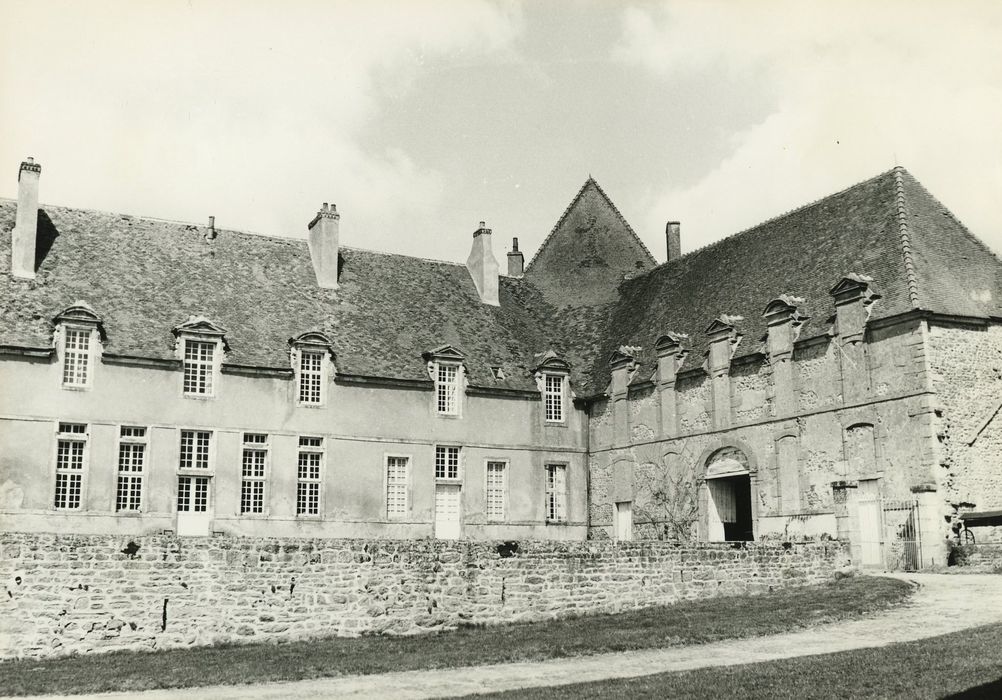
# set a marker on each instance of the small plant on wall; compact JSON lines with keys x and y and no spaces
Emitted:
{"x":666,"y":494}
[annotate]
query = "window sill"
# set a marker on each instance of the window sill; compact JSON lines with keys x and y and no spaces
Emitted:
{"x":77,"y":387}
{"x":199,"y":397}
{"x":300,"y":404}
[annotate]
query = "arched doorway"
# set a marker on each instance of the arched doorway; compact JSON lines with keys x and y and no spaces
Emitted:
{"x":729,"y":497}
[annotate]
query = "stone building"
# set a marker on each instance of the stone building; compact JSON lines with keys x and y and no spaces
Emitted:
{"x":833,"y":372}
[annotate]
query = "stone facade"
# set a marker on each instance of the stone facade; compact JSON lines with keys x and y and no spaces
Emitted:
{"x":69,"y":594}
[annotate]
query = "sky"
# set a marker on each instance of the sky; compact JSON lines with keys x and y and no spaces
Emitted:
{"x":419,"y":119}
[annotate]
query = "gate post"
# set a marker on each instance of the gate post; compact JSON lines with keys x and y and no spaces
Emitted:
{"x":930,"y":526}
{"x":847,"y":517}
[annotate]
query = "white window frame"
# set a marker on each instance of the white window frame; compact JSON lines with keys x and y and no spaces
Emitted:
{"x":448,"y":393}
{"x":303,"y":484}
{"x":319,"y":375}
{"x":445,"y":450}
{"x":210,"y":452}
{"x":505,"y":467}
{"x":254,"y":486}
{"x":554,"y":398}
{"x":387,"y":484}
{"x":194,"y":481}
{"x":88,"y":355}
{"x":127,"y":437}
{"x":213,"y":365}
{"x":555,"y":500}
{"x":70,"y":436}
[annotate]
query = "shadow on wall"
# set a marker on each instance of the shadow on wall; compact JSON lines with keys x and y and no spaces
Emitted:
{"x":46,"y":235}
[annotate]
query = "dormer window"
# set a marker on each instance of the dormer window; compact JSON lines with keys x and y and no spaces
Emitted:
{"x":199,"y":366}
{"x":200,"y":346}
{"x":553,"y":397}
{"x":445,"y":367}
{"x":552,"y":380}
{"x":76,"y":356}
{"x":78,"y":333}
{"x":311,"y":361}
{"x":447,"y":389}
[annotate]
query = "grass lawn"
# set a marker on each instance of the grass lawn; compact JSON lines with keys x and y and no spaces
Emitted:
{"x":685,"y":623}
{"x":963,"y":666}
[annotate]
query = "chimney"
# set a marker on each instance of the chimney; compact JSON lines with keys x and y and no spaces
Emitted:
{"x":22,"y":249}
{"x":516,"y":261}
{"x":673,"y":234}
{"x":323,"y":243}
{"x":483,"y":267}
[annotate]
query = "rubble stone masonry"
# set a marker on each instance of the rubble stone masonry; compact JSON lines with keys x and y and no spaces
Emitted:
{"x":79,"y":594}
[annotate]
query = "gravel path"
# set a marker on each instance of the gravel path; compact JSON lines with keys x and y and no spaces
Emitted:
{"x":942,"y":604}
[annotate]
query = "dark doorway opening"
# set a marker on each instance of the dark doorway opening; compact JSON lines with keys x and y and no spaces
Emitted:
{"x":740,"y":530}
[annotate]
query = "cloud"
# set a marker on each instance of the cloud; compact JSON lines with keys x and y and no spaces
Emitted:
{"x":253,"y":112}
{"x":856,"y":89}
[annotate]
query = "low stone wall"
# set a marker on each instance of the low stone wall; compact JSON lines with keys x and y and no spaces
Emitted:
{"x":78,"y":594}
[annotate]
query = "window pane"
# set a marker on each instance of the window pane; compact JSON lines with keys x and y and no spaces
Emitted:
{"x":446,"y":388}
{"x":76,"y":356}
{"x":446,"y":462}
{"x":496,"y":490}
{"x":198,"y":366}
{"x":396,"y":485}
{"x":554,"y":397}
{"x":310,"y":376}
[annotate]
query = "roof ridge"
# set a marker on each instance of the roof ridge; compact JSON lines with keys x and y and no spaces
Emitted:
{"x":771,"y":219}
{"x":238,"y":232}
{"x":567,"y":210}
{"x":901,"y":215}
{"x":966,"y":231}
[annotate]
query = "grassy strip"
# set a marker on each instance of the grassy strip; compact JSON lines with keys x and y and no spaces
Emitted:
{"x":693,"y":622}
{"x":964,"y":665}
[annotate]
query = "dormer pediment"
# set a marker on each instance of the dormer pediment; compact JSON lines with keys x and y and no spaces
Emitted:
{"x":550,"y":361}
{"x":80,"y":312}
{"x":199,"y":325}
{"x":445,"y":353}
{"x":313,"y":339}
{"x":722,"y":324}
{"x":851,"y":283}
{"x":669,"y":343}
{"x":624,"y":354}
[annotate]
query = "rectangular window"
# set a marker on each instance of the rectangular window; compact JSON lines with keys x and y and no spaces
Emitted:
{"x":255,"y":459}
{"x":70,"y":464}
{"x":496,"y":477}
{"x":553,"y":396}
{"x":195,"y":449}
{"x":396,"y":485}
{"x":446,"y":463}
{"x":76,"y":356}
{"x":199,"y":357}
{"x":556,"y":493}
{"x":192,"y":494}
{"x":308,"y":475}
{"x":131,"y":466}
{"x":311,"y":364}
{"x":447,"y":389}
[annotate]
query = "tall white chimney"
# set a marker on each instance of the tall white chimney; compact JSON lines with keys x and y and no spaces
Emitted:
{"x":323,"y":244}
{"x":25,"y":233}
{"x":483,"y":267}
{"x":673,"y":234}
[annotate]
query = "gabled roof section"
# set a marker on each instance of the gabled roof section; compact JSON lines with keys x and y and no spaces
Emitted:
{"x":949,"y":270}
{"x":888,"y":228}
{"x":590,"y":250}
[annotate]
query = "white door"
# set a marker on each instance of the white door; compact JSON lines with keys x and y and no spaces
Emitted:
{"x":870,"y":527}
{"x":194,"y":517}
{"x":448,"y":506}
{"x":624,"y":521}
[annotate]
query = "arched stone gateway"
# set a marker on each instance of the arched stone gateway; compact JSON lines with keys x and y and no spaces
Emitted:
{"x":729,"y":502}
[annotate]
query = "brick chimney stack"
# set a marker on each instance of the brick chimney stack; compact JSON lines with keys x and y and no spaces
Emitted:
{"x":674,"y":235}
{"x":483,"y":266}
{"x":323,"y":242}
{"x":25,"y":233}
{"x":516,"y":261}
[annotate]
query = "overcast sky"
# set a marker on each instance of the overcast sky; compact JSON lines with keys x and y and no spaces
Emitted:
{"x":421,"y":118}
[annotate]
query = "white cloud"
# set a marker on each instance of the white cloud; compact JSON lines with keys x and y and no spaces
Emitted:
{"x":858,"y":86}
{"x":253,"y":112}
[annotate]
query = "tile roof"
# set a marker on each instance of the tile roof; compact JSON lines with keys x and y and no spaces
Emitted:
{"x":591,"y":288}
{"x":144,"y":277}
{"x":888,"y":228}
